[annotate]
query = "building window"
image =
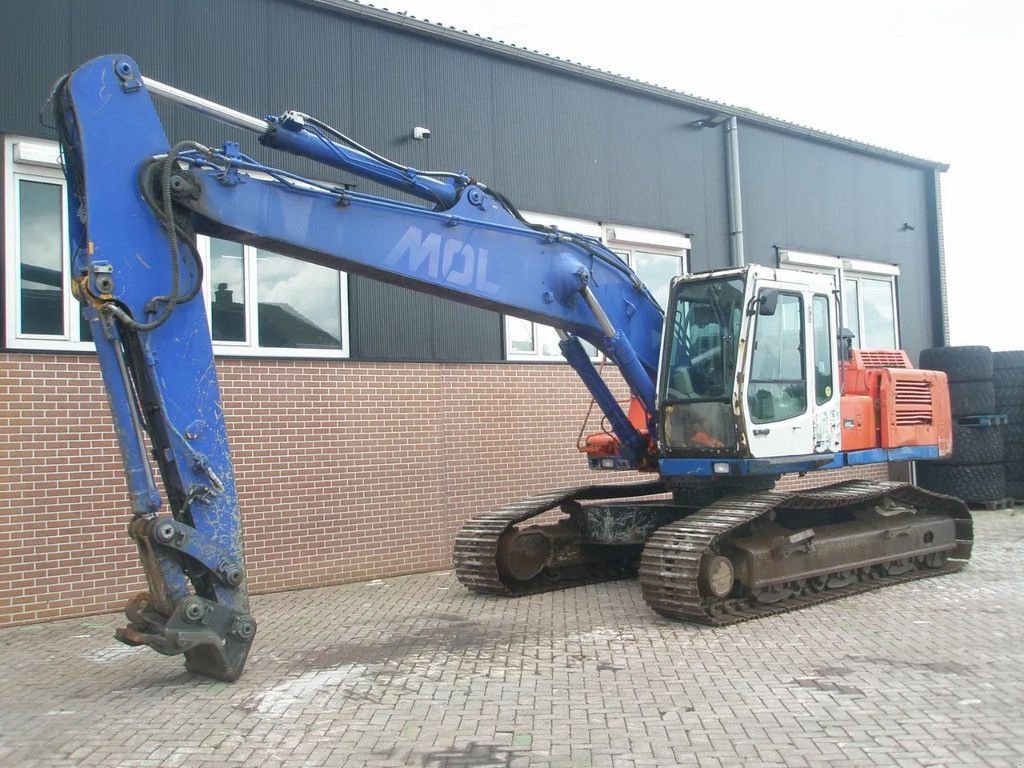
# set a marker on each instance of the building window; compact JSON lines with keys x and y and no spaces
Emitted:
{"x":869,"y":309}
{"x":263,"y":303}
{"x":869,"y":295}
{"x":260,"y":303}
{"x":656,"y":256}
{"x":41,"y":313}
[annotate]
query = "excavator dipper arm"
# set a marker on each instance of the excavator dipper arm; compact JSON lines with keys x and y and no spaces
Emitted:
{"x":138,"y":203}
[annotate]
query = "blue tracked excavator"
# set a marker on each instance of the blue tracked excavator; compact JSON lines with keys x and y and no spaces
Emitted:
{"x":742,"y":381}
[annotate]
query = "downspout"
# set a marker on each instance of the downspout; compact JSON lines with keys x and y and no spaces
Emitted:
{"x":939,"y":249}
{"x":732,"y":151}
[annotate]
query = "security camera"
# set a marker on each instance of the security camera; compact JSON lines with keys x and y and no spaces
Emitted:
{"x":420,"y":134}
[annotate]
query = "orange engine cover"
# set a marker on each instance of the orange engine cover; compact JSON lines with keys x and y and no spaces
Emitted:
{"x":887,"y":403}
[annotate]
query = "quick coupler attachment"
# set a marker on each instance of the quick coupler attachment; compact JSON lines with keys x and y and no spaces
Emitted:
{"x":197,"y":603}
{"x":215,"y":639}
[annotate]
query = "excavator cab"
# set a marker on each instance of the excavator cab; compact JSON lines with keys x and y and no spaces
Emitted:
{"x":750,"y":365}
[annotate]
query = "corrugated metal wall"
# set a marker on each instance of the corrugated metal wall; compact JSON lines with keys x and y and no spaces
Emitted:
{"x":551,"y":141}
{"x":807,"y":196}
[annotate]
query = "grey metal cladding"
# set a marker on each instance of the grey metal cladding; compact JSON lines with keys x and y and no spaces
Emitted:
{"x":808,"y":196}
{"x":554,"y":138}
{"x":389,"y":322}
{"x":478,"y":338}
{"x":525,"y":123}
{"x":710,"y":244}
{"x":35,"y":43}
{"x":567,"y":146}
{"x":98,"y":27}
{"x":458,"y":109}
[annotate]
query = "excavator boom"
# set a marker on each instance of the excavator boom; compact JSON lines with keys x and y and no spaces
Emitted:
{"x":138,"y":204}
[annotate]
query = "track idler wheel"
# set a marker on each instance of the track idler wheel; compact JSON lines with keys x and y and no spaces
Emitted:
{"x":549,"y":552}
{"x":523,"y":554}
{"x":717,"y":576}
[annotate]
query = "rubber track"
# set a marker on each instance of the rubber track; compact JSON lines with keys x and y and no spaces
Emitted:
{"x":475,"y":556}
{"x":671,"y":559}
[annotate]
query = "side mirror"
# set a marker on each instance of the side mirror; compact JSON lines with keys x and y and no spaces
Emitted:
{"x":767,"y":302}
{"x":846,"y":337}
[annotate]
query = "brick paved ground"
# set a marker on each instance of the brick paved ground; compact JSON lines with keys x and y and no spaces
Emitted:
{"x":416,"y":671}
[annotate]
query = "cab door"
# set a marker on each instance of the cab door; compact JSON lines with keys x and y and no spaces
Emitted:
{"x":789,"y":393}
{"x":776,"y":395}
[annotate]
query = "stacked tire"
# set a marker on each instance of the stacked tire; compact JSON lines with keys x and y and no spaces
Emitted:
{"x":975,"y":472}
{"x":1008,"y":379}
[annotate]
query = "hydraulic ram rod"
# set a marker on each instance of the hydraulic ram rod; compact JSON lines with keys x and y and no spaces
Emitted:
{"x":205,"y":106}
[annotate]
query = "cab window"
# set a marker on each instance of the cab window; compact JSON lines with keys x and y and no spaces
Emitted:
{"x":701,"y":367}
{"x":702,"y":363}
{"x":778,"y":380}
{"x":820,"y":328}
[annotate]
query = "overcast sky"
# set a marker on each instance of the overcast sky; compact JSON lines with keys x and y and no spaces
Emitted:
{"x":939,"y":79}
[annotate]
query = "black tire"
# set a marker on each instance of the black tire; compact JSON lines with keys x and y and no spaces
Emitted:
{"x":1013,"y":442}
{"x":972,"y":398}
{"x":1008,"y":396}
{"x":1015,"y":472}
{"x":1008,"y":378}
{"x":959,"y":363}
{"x":970,"y":482}
{"x":1013,"y":451}
{"x":1015,"y":489}
{"x":977,"y":445}
{"x":1002,"y":361}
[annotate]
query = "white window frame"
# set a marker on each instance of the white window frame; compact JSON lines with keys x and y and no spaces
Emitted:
{"x":27,"y":159}
{"x":624,"y":241}
{"x":844,"y":269}
{"x":39,"y":160}
{"x":251,"y":347}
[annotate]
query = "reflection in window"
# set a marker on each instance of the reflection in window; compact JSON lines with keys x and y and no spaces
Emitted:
{"x":227,"y":274}
{"x":525,"y":340}
{"x":851,"y":310}
{"x":869,"y":306}
{"x":41,"y":254}
{"x":879,"y":318}
{"x":702,"y":361}
{"x":547,"y":340}
{"x":656,"y":271}
{"x":701,"y":367}
{"x":520,"y":335}
{"x":778,"y":386}
{"x":299,"y":304}
{"x":822,"y":349}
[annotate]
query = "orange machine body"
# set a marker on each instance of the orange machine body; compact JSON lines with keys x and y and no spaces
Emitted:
{"x":887,"y":403}
{"x":605,"y":445}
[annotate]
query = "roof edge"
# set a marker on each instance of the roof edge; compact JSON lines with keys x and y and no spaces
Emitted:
{"x":467,"y":39}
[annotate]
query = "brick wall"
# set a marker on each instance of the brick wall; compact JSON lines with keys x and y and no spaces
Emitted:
{"x":345,"y":470}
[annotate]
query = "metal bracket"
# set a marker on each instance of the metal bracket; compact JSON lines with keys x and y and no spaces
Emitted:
{"x":130,"y":77}
{"x":230,"y":176}
{"x":784,"y":546}
{"x":167,"y":532}
{"x":103,"y":278}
